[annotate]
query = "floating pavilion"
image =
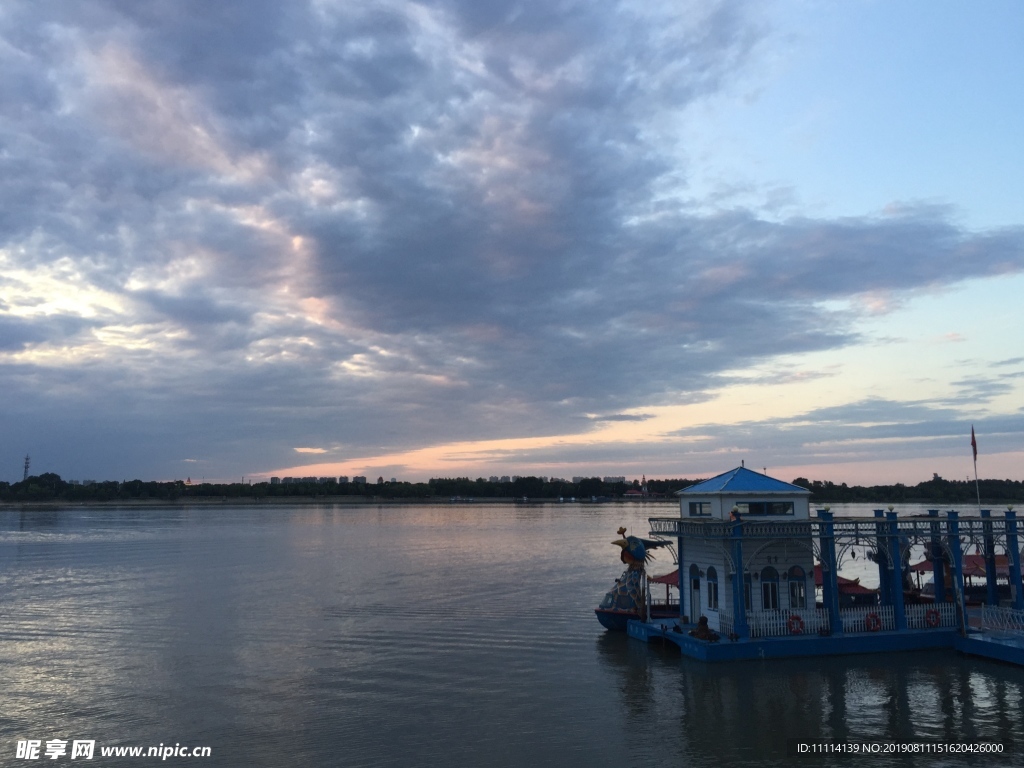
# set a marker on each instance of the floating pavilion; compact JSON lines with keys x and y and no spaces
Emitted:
{"x":747,"y":548}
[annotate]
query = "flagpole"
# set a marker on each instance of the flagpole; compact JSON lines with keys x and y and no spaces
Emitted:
{"x":976,"y":489}
{"x":974,"y":448}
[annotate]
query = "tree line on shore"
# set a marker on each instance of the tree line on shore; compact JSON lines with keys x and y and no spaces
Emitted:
{"x":938,"y":490}
{"x":50,"y":487}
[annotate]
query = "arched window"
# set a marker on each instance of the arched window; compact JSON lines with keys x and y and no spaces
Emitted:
{"x":694,"y":592}
{"x":712,"y":589}
{"x":797,"y":587}
{"x":770,"y":589}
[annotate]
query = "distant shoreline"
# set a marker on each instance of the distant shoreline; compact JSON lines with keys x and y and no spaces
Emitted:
{"x":49,"y":490}
{"x":380,"y":501}
{"x":308,"y":501}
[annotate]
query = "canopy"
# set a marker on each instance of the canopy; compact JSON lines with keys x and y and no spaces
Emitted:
{"x":973,"y":565}
{"x":846,"y":586}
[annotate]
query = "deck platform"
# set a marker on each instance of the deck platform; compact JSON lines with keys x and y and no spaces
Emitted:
{"x":1006,"y":647}
{"x":788,"y":647}
{"x":1000,"y":646}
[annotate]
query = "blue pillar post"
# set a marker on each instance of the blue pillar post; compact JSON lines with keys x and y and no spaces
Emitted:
{"x":953,"y":541}
{"x":1013,"y":553}
{"x":884,"y":590}
{"x":991,"y":590}
{"x":739,"y":603}
{"x":682,"y":578}
{"x":829,"y":571}
{"x":896,"y":559}
{"x":938,"y":571}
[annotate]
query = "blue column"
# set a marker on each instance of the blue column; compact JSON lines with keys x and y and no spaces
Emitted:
{"x":991,"y":591}
{"x":896,"y":574}
{"x":1013,"y":551}
{"x":681,"y":577}
{"x":953,"y":540}
{"x":884,"y":589}
{"x":938,"y":571}
{"x":739,"y":603}
{"x":829,"y":572}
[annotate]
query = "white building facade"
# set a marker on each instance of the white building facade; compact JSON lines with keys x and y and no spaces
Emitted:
{"x":777,"y":576}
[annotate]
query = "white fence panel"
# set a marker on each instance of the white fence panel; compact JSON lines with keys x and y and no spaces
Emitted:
{"x":867,"y":618}
{"x":725,"y":625}
{"x":927,"y":616}
{"x":800,"y":621}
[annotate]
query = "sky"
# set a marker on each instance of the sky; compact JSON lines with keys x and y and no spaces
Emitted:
{"x":475,"y":238}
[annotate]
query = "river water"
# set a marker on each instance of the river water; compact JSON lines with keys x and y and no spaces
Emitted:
{"x":448,"y":635}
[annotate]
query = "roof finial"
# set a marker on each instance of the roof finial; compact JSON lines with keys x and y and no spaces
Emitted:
{"x":743,"y":462}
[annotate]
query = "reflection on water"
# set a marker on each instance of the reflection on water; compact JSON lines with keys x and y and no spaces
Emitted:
{"x":428,"y":635}
{"x":744,"y":713}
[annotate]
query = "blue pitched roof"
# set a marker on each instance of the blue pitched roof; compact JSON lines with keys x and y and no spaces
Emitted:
{"x":742,"y":480}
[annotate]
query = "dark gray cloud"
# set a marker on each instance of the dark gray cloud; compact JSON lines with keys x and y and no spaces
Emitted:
{"x":622,"y":417}
{"x":381,"y":227}
{"x":17,"y":333}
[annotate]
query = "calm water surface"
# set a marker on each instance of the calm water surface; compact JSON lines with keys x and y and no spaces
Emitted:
{"x":413,"y":636}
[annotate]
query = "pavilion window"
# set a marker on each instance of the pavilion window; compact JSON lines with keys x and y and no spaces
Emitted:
{"x":797,"y":587}
{"x":700,"y":509}
{"x":694,"y":592}
{"x":765,"y":508}
{"x":770,"y":589}
{"x":712,"y":589}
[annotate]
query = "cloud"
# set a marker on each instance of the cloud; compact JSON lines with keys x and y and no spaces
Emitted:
{"x":981,"y":389}
{"x":18,"y":333}
{"x":620,"y":417}
{"x":394,"y":224}
{"x":872,"y":429}
{"x":310,"y":450}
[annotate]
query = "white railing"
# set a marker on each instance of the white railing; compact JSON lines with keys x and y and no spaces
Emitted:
{"x":725,"y":625}
{"x":1002,"y":619}
{"x":927,"y":616}
{"x":867,"y":618}
{"x":799,"y":621}
{"x":662,"y":603}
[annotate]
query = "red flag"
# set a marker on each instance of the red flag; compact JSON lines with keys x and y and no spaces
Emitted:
{"x":974,"y":443}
